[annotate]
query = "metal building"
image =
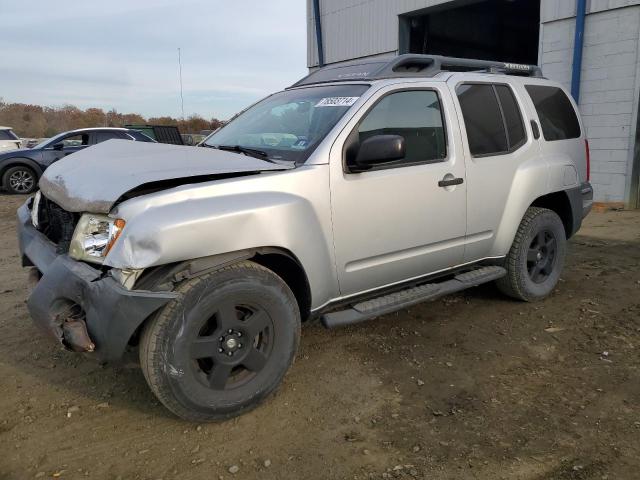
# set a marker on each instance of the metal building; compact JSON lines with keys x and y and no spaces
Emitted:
{"x":591,"y":46}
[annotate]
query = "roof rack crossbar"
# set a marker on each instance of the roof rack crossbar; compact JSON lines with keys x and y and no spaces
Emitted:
{"x":410,"y":65}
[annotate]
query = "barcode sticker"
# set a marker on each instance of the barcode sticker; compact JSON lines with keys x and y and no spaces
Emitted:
{"x":337,"y":102}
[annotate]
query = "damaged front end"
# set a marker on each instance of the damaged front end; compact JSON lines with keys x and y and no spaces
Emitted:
{"x":82,"y":307}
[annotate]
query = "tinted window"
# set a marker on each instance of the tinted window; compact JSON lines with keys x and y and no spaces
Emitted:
{"x":7,"y":135}
{"x":557,"y":116}
{"x":415,"y":115}
{"x":482,"y":118}
{"x":78,"y":140}
{"x":140,"y":137}
{"x":512,"y":118}
{"x":104,"y":136}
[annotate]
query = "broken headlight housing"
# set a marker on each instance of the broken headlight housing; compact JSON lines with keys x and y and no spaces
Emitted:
{"x":94,"y":236}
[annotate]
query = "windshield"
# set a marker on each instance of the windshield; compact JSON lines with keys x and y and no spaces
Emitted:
{"x":289,"y":125}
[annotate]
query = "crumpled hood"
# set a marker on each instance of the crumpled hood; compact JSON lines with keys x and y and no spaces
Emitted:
{"x":93,"y":179}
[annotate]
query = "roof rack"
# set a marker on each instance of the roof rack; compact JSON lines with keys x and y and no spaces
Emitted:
{"x":409,"y":65}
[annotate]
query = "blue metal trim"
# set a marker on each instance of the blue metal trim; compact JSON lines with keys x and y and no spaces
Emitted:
{"x":578,"y":43}
{"x":316,"y":14}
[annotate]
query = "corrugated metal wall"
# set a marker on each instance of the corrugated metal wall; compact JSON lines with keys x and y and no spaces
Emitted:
{"x":360,"y":28}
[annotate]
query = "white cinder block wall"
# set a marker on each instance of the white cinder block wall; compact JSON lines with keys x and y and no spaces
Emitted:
{"x":608,"y":91}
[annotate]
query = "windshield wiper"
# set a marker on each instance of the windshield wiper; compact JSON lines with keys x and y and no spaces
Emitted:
{"x":252,"y":152}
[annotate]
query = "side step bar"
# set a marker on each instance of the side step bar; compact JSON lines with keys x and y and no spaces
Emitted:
{"x":411,"y":296}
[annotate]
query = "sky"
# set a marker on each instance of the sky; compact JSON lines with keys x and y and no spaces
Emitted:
{"x":123,"y":54}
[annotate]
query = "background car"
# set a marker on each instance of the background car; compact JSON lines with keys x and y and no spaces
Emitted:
{"x":21,"y":169}
{"x":8,"y":140}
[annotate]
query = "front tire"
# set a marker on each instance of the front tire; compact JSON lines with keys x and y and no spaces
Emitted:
{"x":536,"y":258}
{"x":223,"y":345}
{"x":19,"y":180}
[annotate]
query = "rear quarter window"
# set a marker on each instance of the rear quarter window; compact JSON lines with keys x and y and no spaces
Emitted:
{"x":557,"y":117}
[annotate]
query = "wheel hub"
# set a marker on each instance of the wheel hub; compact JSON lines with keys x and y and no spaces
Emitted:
{"x":541,"y":255}
{"x":230,"y":342}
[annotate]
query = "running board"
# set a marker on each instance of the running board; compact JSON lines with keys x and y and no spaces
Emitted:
{"x":406,"y":298}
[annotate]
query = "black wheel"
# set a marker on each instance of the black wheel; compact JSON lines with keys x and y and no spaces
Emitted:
{"x":536,"y":258}
{"x":19,"y":179}
{"x":224,"y":345}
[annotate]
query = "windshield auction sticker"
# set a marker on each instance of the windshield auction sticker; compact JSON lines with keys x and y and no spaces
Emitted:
{"x":337,"y":102}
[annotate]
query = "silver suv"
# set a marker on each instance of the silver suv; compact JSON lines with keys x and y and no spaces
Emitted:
{"x":360,"y":190}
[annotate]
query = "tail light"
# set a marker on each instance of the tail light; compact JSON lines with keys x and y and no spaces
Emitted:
{"x":588,"y":157}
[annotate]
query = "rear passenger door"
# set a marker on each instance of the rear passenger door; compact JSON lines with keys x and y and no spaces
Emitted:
{"x":498,"y":142}
{"x":395,"y":222}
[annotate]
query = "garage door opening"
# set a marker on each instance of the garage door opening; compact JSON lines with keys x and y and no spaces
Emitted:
{"x":503,"y":30}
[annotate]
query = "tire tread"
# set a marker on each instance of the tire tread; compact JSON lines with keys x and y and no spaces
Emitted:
{"x":511,"y":284}
{"x":152,"y":362}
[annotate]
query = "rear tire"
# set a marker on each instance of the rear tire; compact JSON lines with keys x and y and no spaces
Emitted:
{"x":19,"y":180}
{"x":223,"y":345}
{"x":536,"y":258}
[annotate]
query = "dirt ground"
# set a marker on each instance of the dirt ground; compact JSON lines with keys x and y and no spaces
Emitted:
{"x":474,"y":386}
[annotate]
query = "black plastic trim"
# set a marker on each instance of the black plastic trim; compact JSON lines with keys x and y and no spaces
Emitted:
{"x":113,"y":313}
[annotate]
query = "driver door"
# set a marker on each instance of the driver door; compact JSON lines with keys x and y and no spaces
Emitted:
{"x":66,"y":146}
{"x":394,"y":222}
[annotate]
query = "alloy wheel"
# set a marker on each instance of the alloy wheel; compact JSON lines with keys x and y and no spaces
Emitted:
{"x":232,"y":346}
{"x":21,"y":181}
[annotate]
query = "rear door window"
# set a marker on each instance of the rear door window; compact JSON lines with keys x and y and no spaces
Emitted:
{"x":492,"y":119}
{"x":512,"y":117}
{"x":557,"y":117}
{"x":482,"y":119}
{"x":104,"y":136}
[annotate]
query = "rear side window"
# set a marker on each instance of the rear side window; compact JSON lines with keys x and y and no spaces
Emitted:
{"x":492,"y":119}
{"x":512,"y":118}
{"x":415,"y":115}
{"x":557,"y":116}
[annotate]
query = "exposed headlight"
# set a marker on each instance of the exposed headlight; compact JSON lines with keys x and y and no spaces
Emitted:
{"x":35,"y":207}
{"x":94,"y":236}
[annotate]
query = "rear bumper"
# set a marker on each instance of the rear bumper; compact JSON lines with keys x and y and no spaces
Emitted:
{"x":111,"y":313}
{"x":586,"y":194}
{"x":581,"y":199}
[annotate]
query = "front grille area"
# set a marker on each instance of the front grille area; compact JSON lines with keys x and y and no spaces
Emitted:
{"x":56,"y":223}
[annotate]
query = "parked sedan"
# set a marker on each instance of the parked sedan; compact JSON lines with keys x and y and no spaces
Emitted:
{"x":21,"y":169}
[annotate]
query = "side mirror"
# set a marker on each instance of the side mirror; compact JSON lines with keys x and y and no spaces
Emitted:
{"x":58,"y":146}
{"x":377,"y":150}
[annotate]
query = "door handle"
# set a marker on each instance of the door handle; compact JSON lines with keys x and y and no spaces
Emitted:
{"x":535,"y":129}
{"x":450,"y":182}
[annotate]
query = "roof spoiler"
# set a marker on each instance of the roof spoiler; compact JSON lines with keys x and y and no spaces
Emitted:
{"x":407,"y":66}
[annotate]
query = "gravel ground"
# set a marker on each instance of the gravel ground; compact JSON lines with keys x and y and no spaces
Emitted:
{"x":474,"y":386}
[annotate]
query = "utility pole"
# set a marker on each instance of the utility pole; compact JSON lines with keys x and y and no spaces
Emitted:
{"x":180,"y":75}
